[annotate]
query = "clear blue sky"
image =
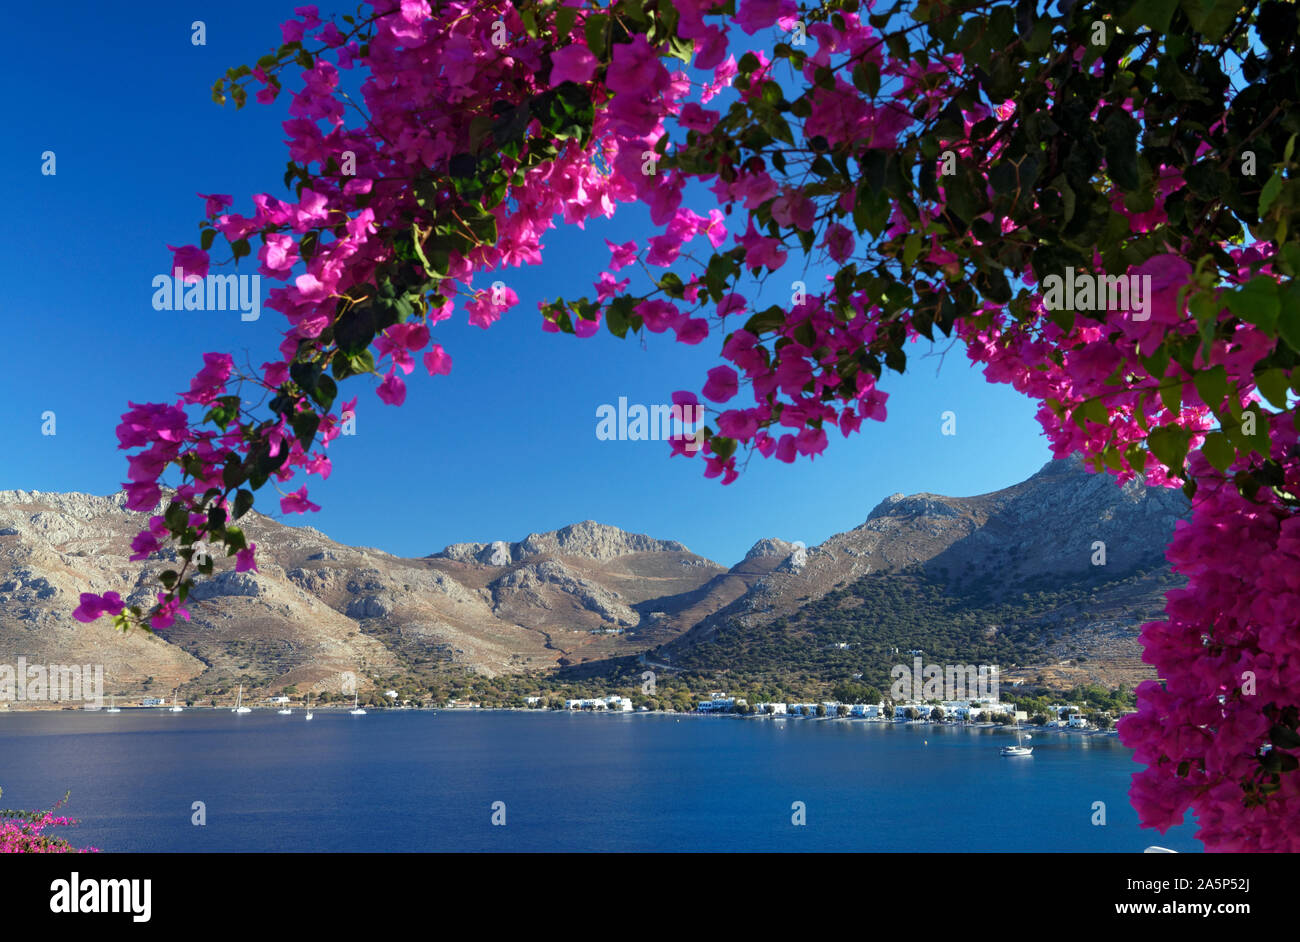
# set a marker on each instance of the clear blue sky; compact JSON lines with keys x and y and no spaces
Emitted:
{"x":502,"y":447}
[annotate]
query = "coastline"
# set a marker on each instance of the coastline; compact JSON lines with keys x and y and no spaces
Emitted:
{"x":7,"y":708}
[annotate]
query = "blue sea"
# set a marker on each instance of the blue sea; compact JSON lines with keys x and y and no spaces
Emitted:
{"x":424,"y":781}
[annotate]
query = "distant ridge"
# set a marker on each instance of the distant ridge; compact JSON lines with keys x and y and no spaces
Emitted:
{"x":587,"y":592}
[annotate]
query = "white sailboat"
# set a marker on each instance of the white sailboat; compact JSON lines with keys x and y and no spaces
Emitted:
{"x":239,"y":702}
{"x":309,"y":712}
{"x":176,"y":706}
{"x":356,"y":707}
{"x":1019,"y":749}
{"x":112,"y":706}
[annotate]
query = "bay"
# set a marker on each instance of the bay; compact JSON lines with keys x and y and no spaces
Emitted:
{"x":395,"y":781}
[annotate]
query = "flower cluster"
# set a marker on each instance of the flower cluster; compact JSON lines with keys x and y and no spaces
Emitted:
{"x":23,"y":832}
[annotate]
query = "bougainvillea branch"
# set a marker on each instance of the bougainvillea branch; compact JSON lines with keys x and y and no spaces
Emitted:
{"x":23,"y":832}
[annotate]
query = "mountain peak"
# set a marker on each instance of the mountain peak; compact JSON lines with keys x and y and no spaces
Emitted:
{"x":587,"y":539}
{"x":914,"y":505}
{"x":1070,"y":464}
{"x":770,"y":546}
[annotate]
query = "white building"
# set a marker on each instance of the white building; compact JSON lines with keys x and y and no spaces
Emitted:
{"x":277,"y":699}
{"x":717,"y":705}
{"x":613,"y":702}
{"x":868,"y":710}
{"x":776,"y":709}
{"x":1077,"y":721}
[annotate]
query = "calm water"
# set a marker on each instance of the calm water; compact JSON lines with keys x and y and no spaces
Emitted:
{"x":407,"y":781}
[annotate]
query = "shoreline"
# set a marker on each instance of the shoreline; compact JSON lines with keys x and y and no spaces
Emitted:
{"x":7,"y":709}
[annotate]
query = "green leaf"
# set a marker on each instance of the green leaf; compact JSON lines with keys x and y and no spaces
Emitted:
{"x":767,"y":320}
{"x":1270,"y":192}
{"x":912,"y":246}
{"x":1172,"y":397}
{"x":1218,"y":450}
{"x":1155,"y":14}
{"x":564,"y":19}
{"x":1169,"y":443}
{"x":304,"y":426}
{"x":1257,"y":302}
{"x":1210,"y":18}
{"x":176,"y":517}
{"x":618,"y":315}
{"x":723,"y":448}
{"x":1273,"y":385}
{"x":1288,"y":321}
{"x":232,"y":474}
{"x":235,"y":540}
{"x":866,"y":78}
{"x":1093,"y":410}
{"x":1119,"y":137}
{"x":243,"y":501}
{"x":1212,"y":385}
{"x":1284,"y":737}
{"x":871,"y":211}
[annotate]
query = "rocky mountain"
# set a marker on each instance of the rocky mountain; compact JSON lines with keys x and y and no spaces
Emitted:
{"x":593,"y":595}
{"x":318,"y":609}
{"x":1079,"y":559}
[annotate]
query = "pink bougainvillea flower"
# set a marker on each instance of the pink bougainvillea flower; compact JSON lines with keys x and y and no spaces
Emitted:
{"x":297,"y":503}
{"x":167,"y":611}
{"x":215,"y":203}
{"x":210,"y":381}
{"x":574,"y":63}
{"x":142,"y":495}
{"x":437,"y":361}
{"x":607,"y":287}
{"x":191,"y":260}
{"x":731,"y":304}
{"x":245,"y":559}
{"x":621,"y":255}
{"x":753,"y":15}
{"x":392,"y":390}
{"x":722,"y":385}
{"x":93,"y":606}
{"x":144,"y":544}
{"x":839,"y":242}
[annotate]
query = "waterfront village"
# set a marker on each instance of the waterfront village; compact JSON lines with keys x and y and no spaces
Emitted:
{"x":1062,"y":715}
{"x":1065,"y":716}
